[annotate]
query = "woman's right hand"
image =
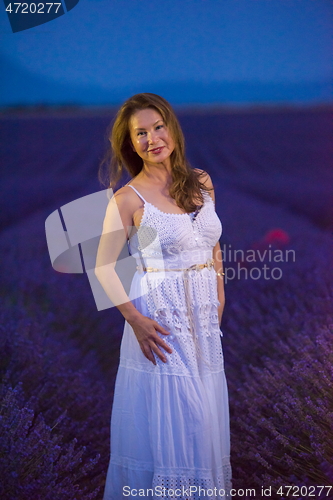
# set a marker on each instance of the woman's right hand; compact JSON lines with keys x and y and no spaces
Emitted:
{"x":145,"y":331}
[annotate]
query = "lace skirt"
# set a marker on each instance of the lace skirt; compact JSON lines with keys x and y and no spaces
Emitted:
{"x":170,"y":433}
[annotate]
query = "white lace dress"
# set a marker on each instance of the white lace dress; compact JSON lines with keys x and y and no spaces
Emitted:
{"x":170,"y":422}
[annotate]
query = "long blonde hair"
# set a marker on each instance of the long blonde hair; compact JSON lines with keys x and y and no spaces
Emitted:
{"x":185,"y":186}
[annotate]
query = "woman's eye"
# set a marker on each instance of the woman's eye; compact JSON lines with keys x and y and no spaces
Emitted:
{"x":157,"y":128}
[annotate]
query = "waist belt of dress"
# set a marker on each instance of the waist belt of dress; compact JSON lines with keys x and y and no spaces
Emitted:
{"x":196,"y":267}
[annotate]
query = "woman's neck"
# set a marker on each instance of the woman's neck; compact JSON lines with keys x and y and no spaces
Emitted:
{"x":159,"y":174}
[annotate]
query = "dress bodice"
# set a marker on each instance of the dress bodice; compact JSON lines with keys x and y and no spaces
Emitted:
{"x":175,"y":240}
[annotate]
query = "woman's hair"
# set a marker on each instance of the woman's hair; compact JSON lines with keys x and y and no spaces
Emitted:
{"x":185,"y":186}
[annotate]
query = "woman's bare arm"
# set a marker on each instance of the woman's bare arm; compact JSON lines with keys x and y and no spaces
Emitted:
{"x":117,"y":224}
{"x":217,"y":255}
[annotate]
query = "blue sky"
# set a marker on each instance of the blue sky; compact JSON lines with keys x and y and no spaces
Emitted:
{"x":103,"y":50}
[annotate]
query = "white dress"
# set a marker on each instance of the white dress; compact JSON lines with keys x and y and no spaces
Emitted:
{"x":170,"y":421}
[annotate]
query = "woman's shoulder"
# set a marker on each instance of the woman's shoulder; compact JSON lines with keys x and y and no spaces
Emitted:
{"x":125,"y":193}
{"x":126,"y":199}
{"x":205,"y":179}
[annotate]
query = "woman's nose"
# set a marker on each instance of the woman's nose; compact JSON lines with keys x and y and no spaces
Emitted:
{"x":152,"y":137}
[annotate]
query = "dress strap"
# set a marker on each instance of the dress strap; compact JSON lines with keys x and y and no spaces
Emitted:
{"x":137,"y":192}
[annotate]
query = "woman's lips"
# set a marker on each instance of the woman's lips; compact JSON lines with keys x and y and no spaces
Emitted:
{"x":156,"y":151}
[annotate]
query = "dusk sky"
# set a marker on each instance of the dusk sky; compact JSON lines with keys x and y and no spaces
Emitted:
{"x":191,"y":50}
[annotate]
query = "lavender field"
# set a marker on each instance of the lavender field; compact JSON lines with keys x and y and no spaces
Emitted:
{"x":273,"y":178}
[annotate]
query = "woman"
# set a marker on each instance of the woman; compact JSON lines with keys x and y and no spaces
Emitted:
{"x":170,"y":420}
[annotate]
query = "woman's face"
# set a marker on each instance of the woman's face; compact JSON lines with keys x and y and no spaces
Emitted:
{"x":150,"y":136}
